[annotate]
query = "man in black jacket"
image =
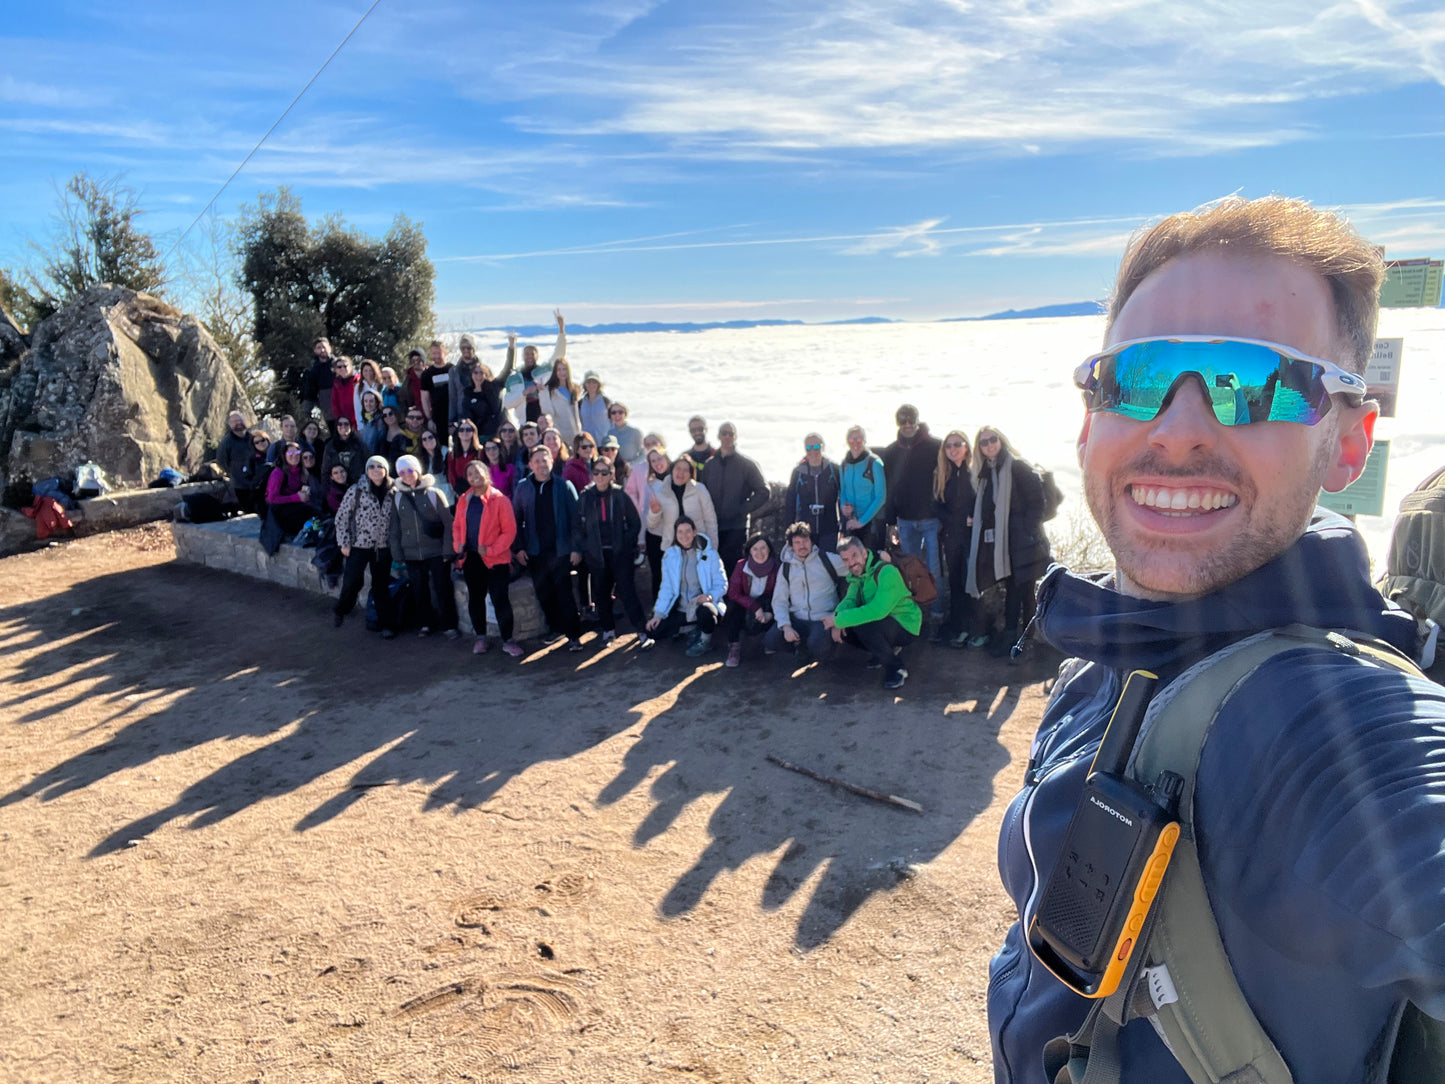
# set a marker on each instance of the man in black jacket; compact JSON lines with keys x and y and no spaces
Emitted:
{"x":908,"y":464}
{"x":316,"y":384}
{"x":605,"y":533}
{"x":737,"y":489}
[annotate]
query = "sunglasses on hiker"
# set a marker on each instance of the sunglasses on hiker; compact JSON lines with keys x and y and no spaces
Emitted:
{"x":1244,"y":380}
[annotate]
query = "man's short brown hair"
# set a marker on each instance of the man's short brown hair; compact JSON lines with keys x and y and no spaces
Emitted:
{"x":1318,"y":241}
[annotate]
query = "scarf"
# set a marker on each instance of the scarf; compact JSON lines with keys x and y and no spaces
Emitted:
{"x":1003,"y":487}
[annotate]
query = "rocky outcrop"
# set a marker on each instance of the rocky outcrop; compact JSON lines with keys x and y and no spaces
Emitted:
{"x":120,"y":378}
{"x":12,"y":341}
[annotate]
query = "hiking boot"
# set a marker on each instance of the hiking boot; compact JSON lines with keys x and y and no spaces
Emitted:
{"x":574,"y":646}
{"x":514,"y":649}
{"x":896,"y":679}
{"x":735,"y":653}
{"x":701,"y":646}
{"x":480,"y":646}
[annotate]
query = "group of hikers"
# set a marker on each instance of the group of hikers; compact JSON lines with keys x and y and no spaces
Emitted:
{"x":1225,"y":856}
{"x":528,"y":472}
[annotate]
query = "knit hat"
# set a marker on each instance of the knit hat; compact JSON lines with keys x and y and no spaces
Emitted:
{"x":408,"y":462}
{"x":379,"y":461}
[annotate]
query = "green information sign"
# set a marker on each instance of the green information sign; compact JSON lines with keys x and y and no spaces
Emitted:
{"x":1412,"y":284}
{"x":1365,"y":496}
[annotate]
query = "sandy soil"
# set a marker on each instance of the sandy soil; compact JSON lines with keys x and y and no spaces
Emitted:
{"x":236,"y":845}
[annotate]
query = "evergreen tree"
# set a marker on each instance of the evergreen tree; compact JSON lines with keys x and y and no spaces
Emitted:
{"x":370,"y":298}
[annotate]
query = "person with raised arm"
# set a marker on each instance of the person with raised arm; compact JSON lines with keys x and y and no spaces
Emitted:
{"x":524,"y":394}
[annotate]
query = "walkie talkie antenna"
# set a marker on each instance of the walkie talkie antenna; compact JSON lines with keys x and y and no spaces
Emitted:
{"x":1124,"y":724}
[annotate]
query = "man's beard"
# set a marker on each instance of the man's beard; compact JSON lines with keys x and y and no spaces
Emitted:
{"x":1265,"y":534}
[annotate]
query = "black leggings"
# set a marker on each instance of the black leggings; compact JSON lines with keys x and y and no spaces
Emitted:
{"x":707,"y":618}
{"x":438,"y":571}
{"x":485,"y":582}
{"x":619,"y":573}
{"x":654,"y":561}
{"x":960,"y":603}
{"x":352,"y":571}
{"x":738,"y":619}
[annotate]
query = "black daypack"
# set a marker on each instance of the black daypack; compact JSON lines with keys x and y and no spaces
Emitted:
{"x":840,"y":582}
{"x":1052,"y":496}
{"x":1415,"y":571}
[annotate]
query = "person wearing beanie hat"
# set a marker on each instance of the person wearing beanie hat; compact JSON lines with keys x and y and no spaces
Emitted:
{"x":592,"y":407}
{"x":421,"y":535}
{"x":363,"y":532}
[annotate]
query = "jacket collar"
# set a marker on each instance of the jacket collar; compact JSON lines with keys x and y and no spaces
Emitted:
{"x":1322,"y":580}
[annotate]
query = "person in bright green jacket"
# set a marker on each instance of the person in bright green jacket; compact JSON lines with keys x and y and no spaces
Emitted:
{"x":877,"y":613}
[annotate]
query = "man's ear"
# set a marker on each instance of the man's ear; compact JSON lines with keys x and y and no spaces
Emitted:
{"x":1084,"y":437}
{"x":1352,"y":445}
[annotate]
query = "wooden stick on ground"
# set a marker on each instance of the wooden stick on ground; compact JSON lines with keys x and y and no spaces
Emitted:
{"x":877,"y":796}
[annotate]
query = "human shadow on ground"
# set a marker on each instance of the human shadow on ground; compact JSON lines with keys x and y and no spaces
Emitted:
{"x":257,"y":661}
{"x":228,"y":658}
{"x":935,"y":743}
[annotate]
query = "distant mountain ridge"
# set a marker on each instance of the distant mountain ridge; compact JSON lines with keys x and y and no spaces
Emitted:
{"x":535,"y":331}
{"x":1069,"y":308}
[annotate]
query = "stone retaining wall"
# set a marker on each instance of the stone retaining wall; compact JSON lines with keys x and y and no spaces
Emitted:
{"x":232,"y":546}
{"x":114,"y":512}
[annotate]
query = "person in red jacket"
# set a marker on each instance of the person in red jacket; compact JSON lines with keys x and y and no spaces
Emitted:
{"x":483,"y":531}
{"x":750,"y":593}
{"x":343,"y":391}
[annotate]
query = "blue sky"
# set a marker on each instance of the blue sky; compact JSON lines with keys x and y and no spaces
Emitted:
{"x":686,"y":160}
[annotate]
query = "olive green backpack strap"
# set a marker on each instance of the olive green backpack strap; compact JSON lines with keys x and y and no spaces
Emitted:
{"x":1186,"y":985}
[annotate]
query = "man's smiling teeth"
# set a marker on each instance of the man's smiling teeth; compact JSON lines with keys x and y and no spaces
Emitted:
{"x":1181,"y":501}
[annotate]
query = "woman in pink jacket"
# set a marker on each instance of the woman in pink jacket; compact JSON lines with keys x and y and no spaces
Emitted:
{"x":288,"y":498}
{"x":483,"y":530}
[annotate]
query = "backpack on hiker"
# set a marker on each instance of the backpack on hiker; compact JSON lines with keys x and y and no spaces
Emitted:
{"x":1053,"y":497}
{"x":1415,"y":570}
{"x":840,"y":581}
{"x":916,"y":577}
{"x":1178,"y":974}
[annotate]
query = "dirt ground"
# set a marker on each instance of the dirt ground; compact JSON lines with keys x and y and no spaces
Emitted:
{"x":236,"y":845}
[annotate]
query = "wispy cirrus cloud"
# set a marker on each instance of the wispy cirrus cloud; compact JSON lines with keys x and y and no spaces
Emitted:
{"x":873,"y":74}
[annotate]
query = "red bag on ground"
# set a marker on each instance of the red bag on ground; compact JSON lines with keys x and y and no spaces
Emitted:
{"x":49,"y":517}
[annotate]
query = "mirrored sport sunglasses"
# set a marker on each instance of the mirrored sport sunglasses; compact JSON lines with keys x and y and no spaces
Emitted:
{"x":1245,"y":380}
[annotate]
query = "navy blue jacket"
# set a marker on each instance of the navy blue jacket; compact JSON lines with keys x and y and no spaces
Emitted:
{"x":564,"y":507}
{"x":1320,"y":813}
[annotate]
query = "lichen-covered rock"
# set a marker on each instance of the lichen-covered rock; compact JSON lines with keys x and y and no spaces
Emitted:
{"x":119,"y":378}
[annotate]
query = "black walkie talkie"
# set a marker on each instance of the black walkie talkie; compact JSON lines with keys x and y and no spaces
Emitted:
{"x":1112,"y":861}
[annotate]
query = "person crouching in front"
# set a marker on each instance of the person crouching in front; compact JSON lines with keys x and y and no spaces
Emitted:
{"x":693,"y":587}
